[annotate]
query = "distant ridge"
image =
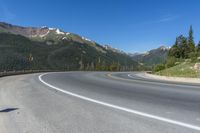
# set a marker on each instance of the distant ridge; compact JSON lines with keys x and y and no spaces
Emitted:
{"x":24,"y":48}
{"x":152,"y":57}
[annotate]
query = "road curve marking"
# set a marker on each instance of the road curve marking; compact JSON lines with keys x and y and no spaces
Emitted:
{"x":172,"y":83}
{"x":149,"y":82}
{"x":186,"y":125}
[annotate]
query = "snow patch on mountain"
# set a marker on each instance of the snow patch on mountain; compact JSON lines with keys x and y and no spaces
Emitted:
{"x":146,"y":53}
{"x":67,"y":33}
{"x":64,"y":38}
{"x":44,"y":27}
{"x":59,"y":32}
{"x":52,"y":28}
{"x":86,"y":39}
{"x":108,"y":47}
{"x":164,"y":48}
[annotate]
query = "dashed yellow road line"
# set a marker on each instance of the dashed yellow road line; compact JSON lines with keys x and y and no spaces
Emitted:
{"x":118,"y":78}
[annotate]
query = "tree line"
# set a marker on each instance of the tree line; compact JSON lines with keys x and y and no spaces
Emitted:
{"x":184,"y":48}
{"x":20,"y":53}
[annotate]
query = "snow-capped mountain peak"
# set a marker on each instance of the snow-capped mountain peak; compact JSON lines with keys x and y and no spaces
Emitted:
{"x":164,"y":47}
{"x":45,"y":33}
{"x":58,"y":31}
{"x":108,"y":47}
{"x":52,"y":28}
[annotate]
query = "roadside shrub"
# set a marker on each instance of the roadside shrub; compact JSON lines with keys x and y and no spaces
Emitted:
{"x":159,"y":67}
{"x":193,"y":57}
{"x":170,"y":62}
{"x":198,"y":59}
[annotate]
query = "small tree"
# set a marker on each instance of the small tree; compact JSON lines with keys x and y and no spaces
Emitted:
{"x":191,"y":44}
{"x":175,"y":50}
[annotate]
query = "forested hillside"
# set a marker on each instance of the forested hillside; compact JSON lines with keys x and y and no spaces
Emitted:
{"x":152,"y":57}
{"x":20,"y":53}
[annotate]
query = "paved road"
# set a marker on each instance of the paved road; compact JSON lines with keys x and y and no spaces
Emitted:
{"x":98,"y":102}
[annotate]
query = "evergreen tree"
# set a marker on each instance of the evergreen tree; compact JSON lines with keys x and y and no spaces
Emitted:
{"x":198,"y":47}
{"x":191,"y":44}
{"x":181,"y":48}
{"x":185,"y":50}
{"x":175,"y":50}
{"x":92,"y":66}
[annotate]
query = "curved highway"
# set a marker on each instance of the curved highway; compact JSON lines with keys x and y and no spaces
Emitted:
{"x":98,"y":102}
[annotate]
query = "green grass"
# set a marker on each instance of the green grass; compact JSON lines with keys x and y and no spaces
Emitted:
{"x":182,"y":70}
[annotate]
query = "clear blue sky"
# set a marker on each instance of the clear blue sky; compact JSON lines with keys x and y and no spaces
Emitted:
{"x":130,"y":25}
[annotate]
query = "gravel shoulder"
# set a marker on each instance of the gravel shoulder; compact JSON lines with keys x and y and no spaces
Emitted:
{"x":15,"y":117}
{"x":173,"y":79}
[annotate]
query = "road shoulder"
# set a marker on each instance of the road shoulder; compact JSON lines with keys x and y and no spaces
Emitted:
{"x":173,"y":79}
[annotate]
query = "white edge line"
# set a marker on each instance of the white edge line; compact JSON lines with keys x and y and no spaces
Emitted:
{"x":120,"y":108}
{"x":167,"y":84}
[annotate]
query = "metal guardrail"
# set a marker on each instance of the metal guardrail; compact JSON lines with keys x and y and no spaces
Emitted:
{"x":150,"y":72}
{"x":9,"y":73}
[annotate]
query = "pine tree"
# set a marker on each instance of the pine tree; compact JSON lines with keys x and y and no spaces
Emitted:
{"x":81,"y":64}
{"x":191,"y":44}
{"x":180,"y":48}
{"x":198,"y":47}
{"x":92,"y":66}
{"x":186,"y":49}
{"x":175,"y":50}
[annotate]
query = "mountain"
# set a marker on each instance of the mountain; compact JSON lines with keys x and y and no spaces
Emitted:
{"x":152,"y":57}
{"x":53,"y":49}
{"x":108,"y":47}
{"x":45,"y":34}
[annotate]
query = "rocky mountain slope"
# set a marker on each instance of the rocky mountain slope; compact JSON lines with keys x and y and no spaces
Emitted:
{"x":152,"y":57}
{"x":45,"y":34}
{"x":51,"y":48}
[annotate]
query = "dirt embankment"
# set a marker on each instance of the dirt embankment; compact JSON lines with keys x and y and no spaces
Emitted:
{"x":177,"y":79}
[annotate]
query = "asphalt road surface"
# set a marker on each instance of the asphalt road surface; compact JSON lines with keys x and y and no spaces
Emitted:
{"x":97,"y":102}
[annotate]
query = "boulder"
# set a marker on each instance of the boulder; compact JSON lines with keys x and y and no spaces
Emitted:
{"x":197,"y":66}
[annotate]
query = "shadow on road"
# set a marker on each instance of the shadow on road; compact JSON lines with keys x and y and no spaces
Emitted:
{"x":8,"y":110}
